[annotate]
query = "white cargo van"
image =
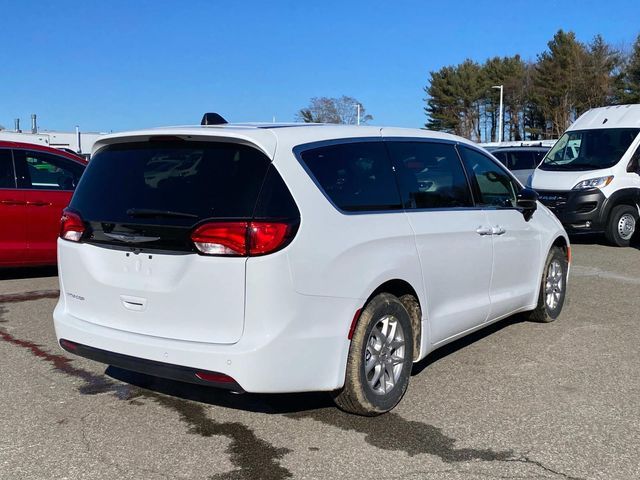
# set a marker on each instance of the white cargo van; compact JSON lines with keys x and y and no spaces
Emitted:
{"x":591,"y":177}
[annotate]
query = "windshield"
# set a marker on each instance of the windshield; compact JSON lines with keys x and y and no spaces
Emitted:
{"x":589,"y":149}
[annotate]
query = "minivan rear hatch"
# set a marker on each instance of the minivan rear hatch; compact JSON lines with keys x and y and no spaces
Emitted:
{"x":136,"y":267}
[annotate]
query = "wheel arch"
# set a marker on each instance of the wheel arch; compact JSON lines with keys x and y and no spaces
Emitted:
{"x":563,"y":244}
{"x":624,"y":196}
{"x":400,"y":288}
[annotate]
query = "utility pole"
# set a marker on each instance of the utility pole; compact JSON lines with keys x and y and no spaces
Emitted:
{"x":358,"y":113}
{"x":500,"y":113}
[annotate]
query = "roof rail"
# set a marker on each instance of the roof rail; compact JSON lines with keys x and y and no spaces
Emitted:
{"x":212,"y":118}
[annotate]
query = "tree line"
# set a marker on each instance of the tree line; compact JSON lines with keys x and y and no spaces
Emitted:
{"x":541,"y":98}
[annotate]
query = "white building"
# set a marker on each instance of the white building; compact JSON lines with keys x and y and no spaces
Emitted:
{"x":77,"y":142}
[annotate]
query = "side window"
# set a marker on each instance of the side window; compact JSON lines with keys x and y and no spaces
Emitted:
{"x":502,"y":156}
{"x":430,"y":175}
{"x":44,"y":171}
{"x":538,"y":155}
{"x":7,"y":176}
{"x":355,"y":176}
{"x":634,"y":163}
{"x":521,"y":161}
{"x":494,"y":186}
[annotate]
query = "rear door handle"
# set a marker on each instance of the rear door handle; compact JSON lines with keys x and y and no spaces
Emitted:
{"x":483,"y":231}
{"x":12,"y":202}
{"x":498,"y":230}
{"x":39,"y":203}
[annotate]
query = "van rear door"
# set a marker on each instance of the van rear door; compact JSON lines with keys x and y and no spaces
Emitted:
{"x":135,"y":267}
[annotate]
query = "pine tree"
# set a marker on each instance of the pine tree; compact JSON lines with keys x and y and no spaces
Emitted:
{"x":557,"y":81}
{"x":631,"y":75}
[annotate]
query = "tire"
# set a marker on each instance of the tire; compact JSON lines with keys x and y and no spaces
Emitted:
{"x":373,"y":383}
{"x":553,"y":288}
{"x":621,"y":225}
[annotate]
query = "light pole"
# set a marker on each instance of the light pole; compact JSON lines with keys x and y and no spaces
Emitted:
{"x":357,"y":105}
{"x":499,"y":113}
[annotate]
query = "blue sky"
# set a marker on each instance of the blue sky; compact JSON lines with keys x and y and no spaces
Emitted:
{"x":119,"y":65}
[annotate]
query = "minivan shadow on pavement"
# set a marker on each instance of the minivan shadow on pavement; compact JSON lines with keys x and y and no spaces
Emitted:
{"x":259,"y":403}
{"x":465,"y":341}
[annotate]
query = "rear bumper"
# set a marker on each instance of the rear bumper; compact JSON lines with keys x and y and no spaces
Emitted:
{"x":149,"y":367}
{"x":580,"y":211}
{"x":308,"y":354}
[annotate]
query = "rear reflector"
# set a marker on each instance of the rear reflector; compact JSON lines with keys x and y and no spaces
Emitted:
{"x":354,"y":322}
{"x":241,"y":238}
{"x":68,"y":346}
{"x":214,"y":377}
{"x":71,"y":226}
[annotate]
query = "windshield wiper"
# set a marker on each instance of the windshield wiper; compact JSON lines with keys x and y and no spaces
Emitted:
{"x":583,"y":165}
{"x":149,"y":212}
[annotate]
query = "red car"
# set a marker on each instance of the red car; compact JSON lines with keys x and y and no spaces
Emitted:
{"x":36,"y":184}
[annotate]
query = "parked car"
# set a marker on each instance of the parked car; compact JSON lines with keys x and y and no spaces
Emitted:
{"x":36,"y":184}
{"x":298,"y":258}
{"x":522,"y":161}
{"x":591,"y":178}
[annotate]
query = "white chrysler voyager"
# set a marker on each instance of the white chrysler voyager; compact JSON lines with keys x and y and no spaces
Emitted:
{"x":290,"y":258}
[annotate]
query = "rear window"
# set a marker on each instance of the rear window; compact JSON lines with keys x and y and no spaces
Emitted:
{"x":355,"y":176}
{"x":133,"y":182}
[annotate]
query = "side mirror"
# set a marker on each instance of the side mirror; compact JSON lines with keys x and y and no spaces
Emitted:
{"x":527,"y":201}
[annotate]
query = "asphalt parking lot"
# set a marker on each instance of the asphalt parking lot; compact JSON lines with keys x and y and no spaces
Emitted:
{"x":517,"y":400}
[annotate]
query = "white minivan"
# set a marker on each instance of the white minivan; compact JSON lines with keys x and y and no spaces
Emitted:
{"x":290,"y":258}
{"x":591,"y":177}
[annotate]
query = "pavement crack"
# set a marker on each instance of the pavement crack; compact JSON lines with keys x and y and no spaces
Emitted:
{"x":529,"y":461}
{"x":416,"y":438}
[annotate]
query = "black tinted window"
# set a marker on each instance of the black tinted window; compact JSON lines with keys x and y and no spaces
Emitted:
{"x":275,"y":200}
{"x":494,"y":186}
{"x":430,"y":175}
{"x":7,"y":177}
{"x":538,"y":155}
{"x":198,"y":179}
{"x":502,"y":156}
{"x":355,"y":176}
{"x":521,"y":160}
{"x":45,"y":171}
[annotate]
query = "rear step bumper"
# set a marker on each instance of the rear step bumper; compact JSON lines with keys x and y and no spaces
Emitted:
{"x":151,"y":367}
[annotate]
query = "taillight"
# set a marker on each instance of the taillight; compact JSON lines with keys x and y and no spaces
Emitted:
{"x":241,"y":238}
{"x":228,"y":238}
{"x":71,"y":226}
{"x":265,"y":237}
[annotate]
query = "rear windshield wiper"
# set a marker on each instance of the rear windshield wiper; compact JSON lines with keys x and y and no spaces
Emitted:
{"x":149,"y":212}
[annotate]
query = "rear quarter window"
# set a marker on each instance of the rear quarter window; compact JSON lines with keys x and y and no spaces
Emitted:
{"x":355,"y":176}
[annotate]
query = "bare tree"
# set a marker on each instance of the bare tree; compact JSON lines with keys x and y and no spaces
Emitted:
{"x":342,"y":110}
